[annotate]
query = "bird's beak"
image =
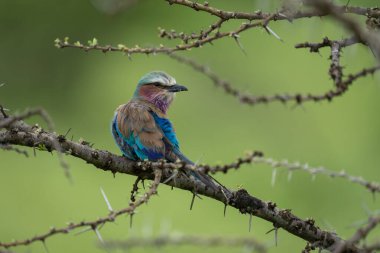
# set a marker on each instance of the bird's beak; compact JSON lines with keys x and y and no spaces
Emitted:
{"x":177,"y":88}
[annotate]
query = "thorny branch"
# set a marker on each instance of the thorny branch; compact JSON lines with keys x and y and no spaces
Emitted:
{"x":186,"y":38}
{"x":22,"y":134}
{"x":93,"y":45}
{"x":366,"y":36}
{"x":213,"y":33}
{"x":315,"y":47}
{"x":341,"y":86}
{"x":373,"y":187}
{"x":7,"y":121}
{"x":11,"y":148}
{"x":198,"y":241}
{"x":321,"y":8}
{"x":258,"y":158}
{"x":258,"y":15}
{"x":92,"y":225}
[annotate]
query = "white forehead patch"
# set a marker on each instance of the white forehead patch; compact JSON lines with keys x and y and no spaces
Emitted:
{"x":166,"y":80}
{"x":157,"y":77}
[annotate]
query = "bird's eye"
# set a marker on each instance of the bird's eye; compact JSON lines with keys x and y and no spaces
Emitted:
{"x":157,"y":84}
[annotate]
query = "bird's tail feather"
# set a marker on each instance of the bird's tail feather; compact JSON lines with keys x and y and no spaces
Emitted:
{"x":210,"y":182}
{"x":206,"y":179}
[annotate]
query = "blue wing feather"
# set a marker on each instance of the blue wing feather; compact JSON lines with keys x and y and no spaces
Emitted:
{"x":172,"y":143}
{"x":167,"y":128}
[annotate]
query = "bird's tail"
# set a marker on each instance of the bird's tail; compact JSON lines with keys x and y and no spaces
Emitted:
{"x":210,"y":182}
{"x":206,"y":179}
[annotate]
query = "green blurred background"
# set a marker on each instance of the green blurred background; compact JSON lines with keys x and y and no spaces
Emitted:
{"x":81,"y":90}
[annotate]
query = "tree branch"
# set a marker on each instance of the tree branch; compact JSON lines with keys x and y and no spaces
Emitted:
{"x":198,"y":40}
{"x":258,"y":15}
{"x":246,"y":98}
{"x":373,"y":187}
{"x":17,"y":150}
{"x":315,"y":47}
{"x":372,"y":39}
{"x":360,"y":234}
{"x":24,"y":135}
{"x":93,"y":45}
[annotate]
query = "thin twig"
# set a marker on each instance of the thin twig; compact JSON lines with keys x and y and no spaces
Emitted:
{"x":339,"y":90}
{"x":315,"y":47}
{"x":135,"y":189}
{"x":11,"y":148}
{"x":372,"y":39}
{"x":2,"y":110}
{"x":187,"y":38}
{"x":373,"y":187}
{"x":7,"y":122}
{"x":95,"y":224}
{"x":258,"y":15}
{"x":94,"y":46}
{"x":360,"y":234}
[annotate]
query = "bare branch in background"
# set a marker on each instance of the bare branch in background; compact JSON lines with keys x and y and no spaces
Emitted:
{"x":321,"y":8}
{"x":315,"y":47}
{"x":339,"y":90}
{"x":6,"y":122}
{"x":360,"y":235}
{"x":185,"y":240}
{"x":11,"y":148}
{"x":372,"y":39}
{"x":198,"y":40}
{"x":186,"y":38}
{"x":258,"y":15}
{"x":93,"y":45}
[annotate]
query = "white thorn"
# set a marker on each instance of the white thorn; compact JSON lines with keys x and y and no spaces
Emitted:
{"x":250,"y":222}
{"x":290,"y":174}
{"x":274,"y":34}
{"x":199,"y":160}
{"x":273,"y":181}
{"x":83,"y":230}
{"x":175,"y":173}
{"x":106,"y":200}
{"x":98,"y":235}
{"x":276,"y":236}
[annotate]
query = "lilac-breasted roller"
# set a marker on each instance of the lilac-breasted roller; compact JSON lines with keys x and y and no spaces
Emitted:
{"x":142,"y":129}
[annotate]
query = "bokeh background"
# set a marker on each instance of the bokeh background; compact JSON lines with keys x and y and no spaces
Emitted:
{"x":81,"y":90}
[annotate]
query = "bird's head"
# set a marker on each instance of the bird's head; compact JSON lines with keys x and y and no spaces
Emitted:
{"x":158,"y":88}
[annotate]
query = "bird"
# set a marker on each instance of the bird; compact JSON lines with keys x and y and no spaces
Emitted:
{"x":142,"y":130}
